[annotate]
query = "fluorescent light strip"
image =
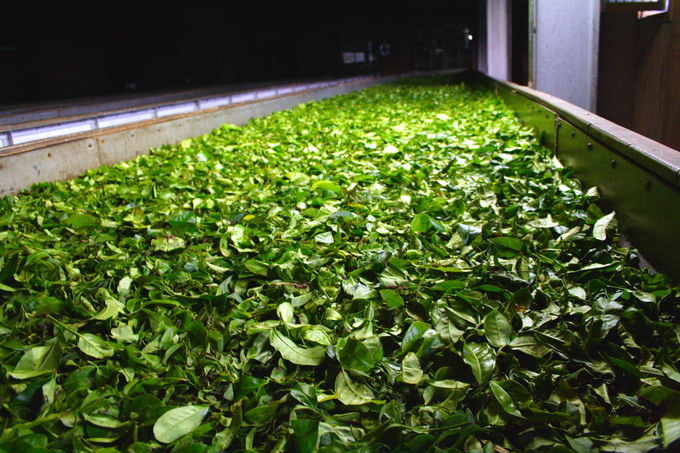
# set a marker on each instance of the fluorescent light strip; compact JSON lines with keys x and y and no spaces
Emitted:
{"x":214,"y":102}
{"x":41,"y":133}
{"x":176,"y":109}
{"x":74,"y":127}
{"x":243,"y":97}
{"x":125,"y":118}
{"x":266,"y":94}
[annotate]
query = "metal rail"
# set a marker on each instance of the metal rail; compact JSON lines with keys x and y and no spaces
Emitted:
{"x":63,"y":157}
{"x":19,"y":134}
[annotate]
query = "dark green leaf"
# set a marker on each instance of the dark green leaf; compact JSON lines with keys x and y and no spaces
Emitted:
{"x":416,"y":331}
{"x":497,"y":329}
{"x":306,"y":434}
{"x":354,"y":355}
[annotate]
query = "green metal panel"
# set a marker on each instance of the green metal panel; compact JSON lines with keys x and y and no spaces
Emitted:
{"x":647,"y":205}
{"x":541,"y":118}
{"x":637,"y":177}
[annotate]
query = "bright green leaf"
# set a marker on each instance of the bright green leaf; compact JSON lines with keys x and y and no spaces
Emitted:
{"x":294,"y":353}
{"x":600,"y":228}
{"x":37,"y":361}
{"x":178,"y":422}
{"x":411,"y":373}
{"x":351,"y":393}
{"x":481,"y":359}
{"x":94,"y":346}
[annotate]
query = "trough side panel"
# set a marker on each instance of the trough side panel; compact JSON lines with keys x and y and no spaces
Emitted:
{"x":540,"y":118}
{"x":71,"y":157}
{"x":54,"y":163}
{"x":647,"y":206}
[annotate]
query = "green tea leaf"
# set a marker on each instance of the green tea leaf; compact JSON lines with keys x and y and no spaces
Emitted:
{"x":324,"y":238}
{"x":124,"y":333}
{"x":306,"y":434}
{"x":507,"y":247}
{"x":411,"y":373}
{"x":80,"y":221}
{"x":178,"y":422}
{"x":294,"y":353}
{"x":421,"y":223}
{"x":481,"y":359}
{"x":327,"y":185}
{"x":415,"y":332}
{"x":411,"y":242}
{"x":167,"y":244}
{"x":94,"y":346}
{"x":257,"y":267}
{"x":497,"y":329}
{"x":600,"y":228}
{"x":350,"y":392}
{"x":354,"y":355}
{"x":391,"y":298}
{"x":184,"y":222}
{"x":37,"y":361}
{"x":504,"y":399}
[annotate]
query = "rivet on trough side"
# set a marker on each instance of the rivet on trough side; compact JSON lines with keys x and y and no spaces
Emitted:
{"x":590,"y":145}
{"x":648,"y":185}
{"x":613,"y":164}
{"x":573,"y":133}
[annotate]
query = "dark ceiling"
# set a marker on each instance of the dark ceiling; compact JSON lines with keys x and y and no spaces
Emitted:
{"x":65,"y":50}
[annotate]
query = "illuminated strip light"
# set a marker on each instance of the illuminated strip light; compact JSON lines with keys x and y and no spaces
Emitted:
{"x":125,"y":118}
{"x":214,"y":102}
{"x":41,"y":133}
{"x":176,"y":109}
{"x":266,"y":94}
{"x":243,"y":97}
{"x":74,"y":127}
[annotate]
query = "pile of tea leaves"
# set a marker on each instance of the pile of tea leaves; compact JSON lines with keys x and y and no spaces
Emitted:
{"x":401,"y":269}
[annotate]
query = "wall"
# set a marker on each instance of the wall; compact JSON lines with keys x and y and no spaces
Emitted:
{"x":657,"y":93}
{"x":639,"y":72}
{"x":617,"y":67}
{"x":566,"y":49}
{"x":498,"y":39}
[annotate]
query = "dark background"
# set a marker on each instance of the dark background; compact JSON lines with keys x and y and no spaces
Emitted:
{"x":75,"y":50}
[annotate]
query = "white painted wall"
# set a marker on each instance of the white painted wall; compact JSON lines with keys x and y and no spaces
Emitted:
{"x":498,"y":39}
{"x":566,"y":48}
